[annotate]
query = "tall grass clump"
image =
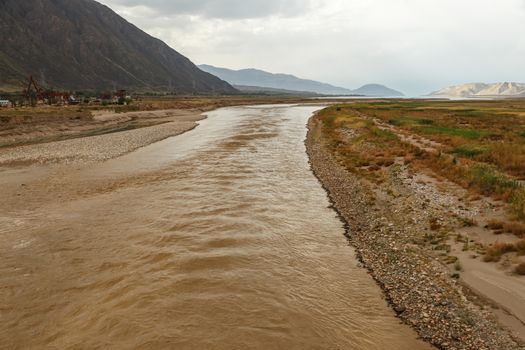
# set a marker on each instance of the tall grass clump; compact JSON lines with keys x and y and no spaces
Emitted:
{"x":489,"y":181}
{"x":384,"y":134}
{"x":497,"y":250}
{"x":518,"y":203}
{"x":407,"y":121}
{"x":329,"y":120}
{"x":470,"y":134}
{"x":508,"y":157}
{"x":520,"y":269}
{"x":469,"y":151}
{"x":520,"y":247}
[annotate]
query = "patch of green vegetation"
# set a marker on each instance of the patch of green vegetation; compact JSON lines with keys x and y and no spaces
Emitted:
{"x":387,"y":106}
{"x":470,"y":134}
{"x":469,"y":151}
{"x":378,"y":107}
{"x":408,"y":105}
{"x":384,"y":134}
{"x":470,"y":113}
{"x":378,"y":103}
{"x":489,"y":181}
{"x":518,"y":203}
{"x":483,"y":143}
{"x":329,"y":120}
{"x":406,"y":121}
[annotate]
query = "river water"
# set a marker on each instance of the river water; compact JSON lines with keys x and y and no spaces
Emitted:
{"x":221,"y":238}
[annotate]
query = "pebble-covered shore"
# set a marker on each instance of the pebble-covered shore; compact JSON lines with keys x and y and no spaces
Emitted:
{"x":417,"y":285}
{"x":96,"y":148}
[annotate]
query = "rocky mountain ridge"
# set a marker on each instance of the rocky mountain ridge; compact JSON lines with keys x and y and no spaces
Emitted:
{"x":82,"y":44}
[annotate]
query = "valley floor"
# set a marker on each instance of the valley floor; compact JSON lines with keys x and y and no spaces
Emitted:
{"x":446,"y":253}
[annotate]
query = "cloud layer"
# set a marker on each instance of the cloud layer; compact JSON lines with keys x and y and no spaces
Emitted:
{"x":413,"y":45}
{"x":227,"y":9}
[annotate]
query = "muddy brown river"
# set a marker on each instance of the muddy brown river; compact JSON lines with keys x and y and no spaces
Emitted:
{"x":220,"y":238}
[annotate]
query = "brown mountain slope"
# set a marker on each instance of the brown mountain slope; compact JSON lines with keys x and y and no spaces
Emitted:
{"x":82,"y":44}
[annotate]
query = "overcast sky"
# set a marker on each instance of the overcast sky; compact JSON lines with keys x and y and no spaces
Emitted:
{"x":416,"y":46}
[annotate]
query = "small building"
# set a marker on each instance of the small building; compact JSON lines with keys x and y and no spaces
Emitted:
{"x":73,"y":100}
{"x":5,"y":103}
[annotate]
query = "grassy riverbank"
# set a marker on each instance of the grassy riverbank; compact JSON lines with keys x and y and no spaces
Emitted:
{"x":430,"y":201}
{"x":480,"y":146}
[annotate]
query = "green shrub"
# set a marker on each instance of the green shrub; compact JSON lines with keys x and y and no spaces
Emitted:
{"x":329,"y":120}
{"x":469,"y":151}
{"x":384,"y":134}
{"x":470,"y":134}
{"x":410,"y":121}
{"x":489,"y":181}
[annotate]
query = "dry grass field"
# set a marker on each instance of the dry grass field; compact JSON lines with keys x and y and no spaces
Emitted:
{"x":478,"y":145}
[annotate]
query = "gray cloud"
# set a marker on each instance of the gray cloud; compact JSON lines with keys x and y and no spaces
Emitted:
{"x":226,"y":9}
{"x":412,"y":45}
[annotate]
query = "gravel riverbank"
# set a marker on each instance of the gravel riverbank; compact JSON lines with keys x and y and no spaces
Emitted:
{"x":102,"y":147}
{"x":417,"y":285}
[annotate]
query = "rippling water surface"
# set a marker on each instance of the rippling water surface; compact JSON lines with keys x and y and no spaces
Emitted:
{"x":221,"y":238}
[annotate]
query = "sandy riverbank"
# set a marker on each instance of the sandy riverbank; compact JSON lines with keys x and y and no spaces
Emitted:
{"x":386,"y":236}
{"x":50,"y":134}
{"x":109,"y":145}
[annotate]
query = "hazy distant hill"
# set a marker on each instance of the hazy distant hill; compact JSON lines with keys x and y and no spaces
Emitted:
{"x":259,"y":78}
{"x":481,"y":89}
{"x":377,"y":90}
{"x":81,"y":44}
{"x":272,"y":91}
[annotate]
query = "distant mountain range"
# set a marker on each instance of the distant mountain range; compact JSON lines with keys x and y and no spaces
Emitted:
{"x":483,"y":90}
{"x":260,"y":80}
{"x":82,"y":44}
{"x":272,"y":91}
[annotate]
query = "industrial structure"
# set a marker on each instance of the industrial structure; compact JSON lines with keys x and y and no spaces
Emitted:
{"x":35,"y":94}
